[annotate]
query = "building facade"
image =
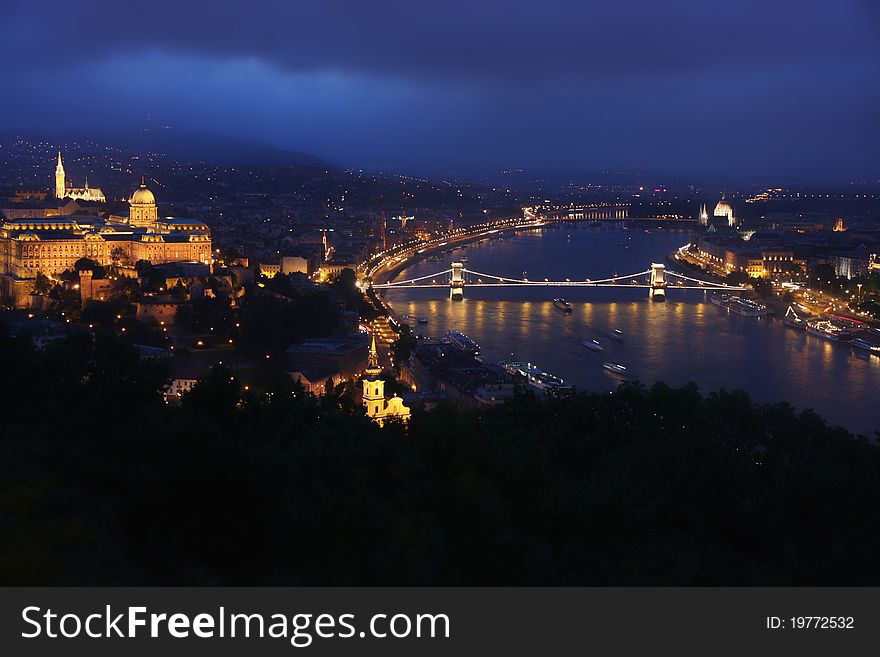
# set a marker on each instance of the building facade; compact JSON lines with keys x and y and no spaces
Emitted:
{"x":52,"y":245}
{"x":735,"y":255}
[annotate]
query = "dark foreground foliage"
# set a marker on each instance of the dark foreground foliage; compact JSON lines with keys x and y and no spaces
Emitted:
{"x":101,"y":483}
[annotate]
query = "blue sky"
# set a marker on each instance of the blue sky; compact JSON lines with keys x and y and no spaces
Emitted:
{"x":729,"y":90}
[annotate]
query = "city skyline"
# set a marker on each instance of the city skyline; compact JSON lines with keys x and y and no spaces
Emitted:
{"x":438,"y":296}
{"x":738,"y":93}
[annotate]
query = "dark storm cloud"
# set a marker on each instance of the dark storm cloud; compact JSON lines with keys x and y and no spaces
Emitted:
{"x":455,"y":37}
{"x":561,"y":84}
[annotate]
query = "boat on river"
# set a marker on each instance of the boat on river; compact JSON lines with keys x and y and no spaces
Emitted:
{"x":615,"y":368}
{"x":563,"y":305}
{"x":868,"y":340}
{"x":592,"y":344}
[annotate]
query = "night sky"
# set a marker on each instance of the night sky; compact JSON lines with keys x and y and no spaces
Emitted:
{"x":744,"y":89}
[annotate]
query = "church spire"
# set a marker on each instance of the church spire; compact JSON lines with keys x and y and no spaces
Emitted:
{"x":373,"y":368}
{"x":60,"y":182}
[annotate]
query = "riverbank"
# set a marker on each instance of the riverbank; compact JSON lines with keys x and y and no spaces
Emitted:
{"x":777,"y":301}
{"x":384,"y":272}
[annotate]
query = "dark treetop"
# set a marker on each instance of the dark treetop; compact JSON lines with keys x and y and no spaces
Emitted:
{"x":101,"y":483}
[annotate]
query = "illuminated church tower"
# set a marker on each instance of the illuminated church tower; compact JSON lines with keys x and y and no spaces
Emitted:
{"x":62,"y":191}
{"x":374,"y":387}
{"x":377,"y":407}
{"x":704,"y":215}
{"x":60,"y":185}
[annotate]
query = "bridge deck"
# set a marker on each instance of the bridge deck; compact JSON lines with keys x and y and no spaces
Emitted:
{"x":460,"y":277}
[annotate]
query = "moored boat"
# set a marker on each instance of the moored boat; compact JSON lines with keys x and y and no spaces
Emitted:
{"x":828,"y":330}
{"x":793,"y":320}
{"x":866,"y":345}
{"x":868,"y":340}
{"x":541,"y":381}
{"x":463,"y":342}
{"x":744,"y":307}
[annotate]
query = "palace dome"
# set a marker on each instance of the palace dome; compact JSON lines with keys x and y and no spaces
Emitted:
{"x":142,"y":196}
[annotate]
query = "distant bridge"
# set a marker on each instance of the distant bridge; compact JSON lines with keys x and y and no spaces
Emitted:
{"x":599,"y":213}
{"x":657,"y":279}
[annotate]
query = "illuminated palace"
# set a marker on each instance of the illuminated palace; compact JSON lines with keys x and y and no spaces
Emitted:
{"x":51,"y":245}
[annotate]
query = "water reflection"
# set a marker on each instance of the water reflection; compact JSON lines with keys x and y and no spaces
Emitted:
{"x":684,"y":339}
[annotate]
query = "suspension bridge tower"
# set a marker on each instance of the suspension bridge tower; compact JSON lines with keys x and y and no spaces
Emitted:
{"x":658,"y":282}
{"x":456,"y":283}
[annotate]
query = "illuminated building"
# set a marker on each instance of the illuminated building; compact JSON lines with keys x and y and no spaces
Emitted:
{"x":143,"y":211}
{"x":854,"y":264}
{"x":52,"y":245}
{"x":269,"y":269}
{"x":62,"y":191}
{"x":723,"y":209}
{"x":330,"y":270}
{"x":738,"y":256}
{"x":377,"y":406}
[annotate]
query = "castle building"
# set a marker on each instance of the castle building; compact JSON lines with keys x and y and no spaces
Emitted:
{"x":62,"y":191}
{"x":52,"y":245}
{"x":378,"y":408}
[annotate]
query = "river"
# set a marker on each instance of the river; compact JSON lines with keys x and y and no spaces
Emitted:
{"x":685,"y":339}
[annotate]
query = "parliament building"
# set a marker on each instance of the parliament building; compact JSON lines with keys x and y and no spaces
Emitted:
{"x":52,"y":244}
